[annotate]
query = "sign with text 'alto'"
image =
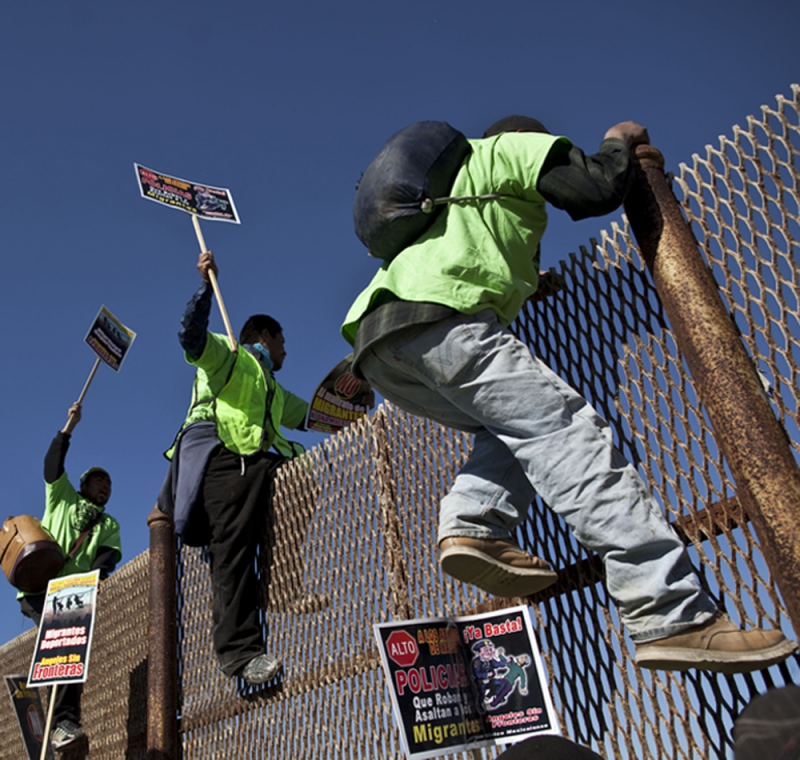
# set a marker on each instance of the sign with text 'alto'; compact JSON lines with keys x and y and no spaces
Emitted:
{"x":464,"y":682}
{"x":204,"y":201}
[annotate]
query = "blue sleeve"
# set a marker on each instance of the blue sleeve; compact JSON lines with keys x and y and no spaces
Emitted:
{"x":194,"y":323}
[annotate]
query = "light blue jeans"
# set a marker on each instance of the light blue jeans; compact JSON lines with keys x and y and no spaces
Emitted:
{"x":533,"y":431}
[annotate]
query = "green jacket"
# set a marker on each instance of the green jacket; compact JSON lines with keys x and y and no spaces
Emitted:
{"x":61,"y":502}
{"x":477,"y":254}
{"x":245,"y":401}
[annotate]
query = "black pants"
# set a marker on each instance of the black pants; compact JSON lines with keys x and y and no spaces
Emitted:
{"x":68,"y":696}
{"x":235,"y":500}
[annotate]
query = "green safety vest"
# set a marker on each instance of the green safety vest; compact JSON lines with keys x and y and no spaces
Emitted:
{"x":477,"y":254}
{"x":246,"y":403}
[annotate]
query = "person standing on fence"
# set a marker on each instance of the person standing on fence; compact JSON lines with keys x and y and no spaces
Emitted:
{"x":89,"y":538}
{"x":219,"y":481}
{"x":431,"y":333}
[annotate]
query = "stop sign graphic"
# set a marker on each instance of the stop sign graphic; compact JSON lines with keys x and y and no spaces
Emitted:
{"x":402,"y":648}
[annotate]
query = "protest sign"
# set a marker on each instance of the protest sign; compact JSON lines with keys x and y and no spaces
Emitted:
{"x":61,"y":653}
{"x":205,"y":201}
{"x":109,"y":338}
{"x":199,"y":201}
{"x":464,"y":682}
{"x":340,"y":400}
{"x":30,"y":716}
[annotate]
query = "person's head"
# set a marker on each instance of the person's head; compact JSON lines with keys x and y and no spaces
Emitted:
{"x":267,"y":331}
{"x":484,"y":649}
{"x":548,"y":747}
{"x":516,"y":124}
{"x":769,"y":727}
{"x":96,"y":485}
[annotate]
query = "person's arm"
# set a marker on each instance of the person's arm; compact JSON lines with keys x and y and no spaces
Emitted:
{"x":105,"y":561}
{"x":595,"y":185}
{"x":109,"y":552}
{"x":194,"y":323}
{"x":294,"y":411}
{"x":57,"y":453}
{"x":54,"y":459}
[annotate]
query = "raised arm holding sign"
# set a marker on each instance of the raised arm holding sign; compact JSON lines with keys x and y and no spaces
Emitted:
{"x":223,"y":461}
{"x":111,"y":341}
{"x":90,"y":540}
{"x":210,"y":275}
{"x":199,"y":201}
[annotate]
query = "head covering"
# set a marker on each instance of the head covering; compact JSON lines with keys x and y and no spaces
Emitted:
{"x":547,"y":747}
{"x":516,"y":124}
{"x":92,"y":471}
{"x":478,"y":645}
{"x":769,"y":727}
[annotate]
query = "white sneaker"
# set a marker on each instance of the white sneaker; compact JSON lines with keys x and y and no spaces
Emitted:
{"x":66,"y":734}
{"x":261,"y":669}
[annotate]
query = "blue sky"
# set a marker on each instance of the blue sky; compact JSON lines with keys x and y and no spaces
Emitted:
{"x":285,"y":104}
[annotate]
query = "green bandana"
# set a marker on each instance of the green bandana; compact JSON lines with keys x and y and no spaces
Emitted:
{"x":85,"y":513}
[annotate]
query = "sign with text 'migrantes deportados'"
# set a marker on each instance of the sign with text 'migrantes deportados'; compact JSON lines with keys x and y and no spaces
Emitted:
{"x":109,"y":338}
{"x":30,"y":716}
{"x":340,"y":400}
{"x":465,"y":682}
{"x":204,"y":201}
{"x":61,"y":654}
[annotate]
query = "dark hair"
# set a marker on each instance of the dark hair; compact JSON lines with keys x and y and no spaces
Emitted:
{"x":516,"y":124}
{"x":251,"y":332}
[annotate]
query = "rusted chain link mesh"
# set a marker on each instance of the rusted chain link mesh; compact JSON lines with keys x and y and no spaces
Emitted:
{"x":350,"y":537}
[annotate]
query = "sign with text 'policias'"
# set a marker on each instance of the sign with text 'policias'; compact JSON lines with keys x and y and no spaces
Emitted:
{"x":204,"y":201}
{"x":109,"y":338}
{"x":61,"y":654}
{"x":465,"y":682}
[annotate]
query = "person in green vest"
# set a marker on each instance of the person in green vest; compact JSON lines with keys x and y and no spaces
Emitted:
{"x":431,"y":333}
{"x":89,"y":538}
{"x":222,"y":464}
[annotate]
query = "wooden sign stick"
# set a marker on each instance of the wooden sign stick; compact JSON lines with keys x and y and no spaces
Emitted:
{"x":86,"y":386}
{"x":49,"y":724}
{"x":88,"y":380}
{"x":213,"y":279}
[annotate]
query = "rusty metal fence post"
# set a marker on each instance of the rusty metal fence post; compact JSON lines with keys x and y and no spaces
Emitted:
{"x":750,"y":437}
{"x":162,"y":656}
{"x":398,"y":577}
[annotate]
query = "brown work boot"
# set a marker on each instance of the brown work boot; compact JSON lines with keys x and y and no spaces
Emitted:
{"x":495,"y":565}
{"x":717,"y":645}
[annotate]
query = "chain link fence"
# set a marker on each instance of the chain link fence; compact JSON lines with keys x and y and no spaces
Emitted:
{"x":350,"y":535}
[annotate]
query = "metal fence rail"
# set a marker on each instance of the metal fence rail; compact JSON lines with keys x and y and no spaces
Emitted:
{"x":350,"y":534}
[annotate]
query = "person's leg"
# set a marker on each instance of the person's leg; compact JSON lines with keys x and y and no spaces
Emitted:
{"x":489,"y":498}
{"x":234,"y":501}
{"x":470,"y":373}
{"x":490,"y":495}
